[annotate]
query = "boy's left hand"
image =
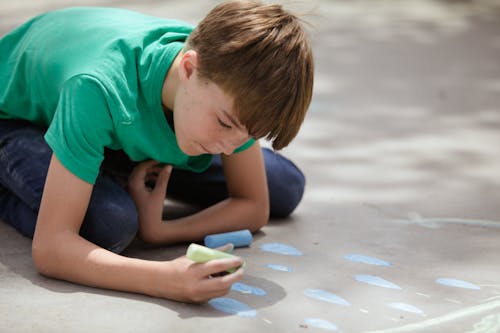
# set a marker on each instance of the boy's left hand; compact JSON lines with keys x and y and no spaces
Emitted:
{"x":149,"y":200}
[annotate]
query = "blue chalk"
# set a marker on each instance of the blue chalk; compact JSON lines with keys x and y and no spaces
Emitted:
{"x":237,"y":238}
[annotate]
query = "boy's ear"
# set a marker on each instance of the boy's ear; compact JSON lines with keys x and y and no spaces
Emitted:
{"x":188,"y":64}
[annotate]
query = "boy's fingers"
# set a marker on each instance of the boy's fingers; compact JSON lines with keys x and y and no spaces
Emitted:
{"x":144,"y":166}
{"x":220,"y":265}
{"x":162,"y":181}
{"x":221,"y":285}
{"x":140,"y":171}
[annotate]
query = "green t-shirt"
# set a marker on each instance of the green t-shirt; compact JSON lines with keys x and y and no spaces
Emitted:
{"x":94,"y":76}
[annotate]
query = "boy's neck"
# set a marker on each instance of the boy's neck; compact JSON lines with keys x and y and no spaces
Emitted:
{"x":170,"y":85}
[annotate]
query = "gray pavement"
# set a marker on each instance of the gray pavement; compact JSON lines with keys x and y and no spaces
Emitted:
{"x":402,"y":157}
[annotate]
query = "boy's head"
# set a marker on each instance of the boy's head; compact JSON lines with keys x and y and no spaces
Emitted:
{"x":260,"y":55}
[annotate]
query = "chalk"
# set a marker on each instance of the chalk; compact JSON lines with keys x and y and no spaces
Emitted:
{"x":202,"y":254}
{"x":237,"y":238}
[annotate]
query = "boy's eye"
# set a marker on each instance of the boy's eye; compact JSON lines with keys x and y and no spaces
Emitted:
{"x":223,"y":124}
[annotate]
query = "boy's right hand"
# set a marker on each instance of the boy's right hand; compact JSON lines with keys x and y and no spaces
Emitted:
{"x":186,"y":281}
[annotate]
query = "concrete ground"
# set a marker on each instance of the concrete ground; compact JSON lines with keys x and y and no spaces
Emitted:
{"x":399,"y":228}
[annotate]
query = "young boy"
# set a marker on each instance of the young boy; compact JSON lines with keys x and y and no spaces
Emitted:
{"x":91,"y":94}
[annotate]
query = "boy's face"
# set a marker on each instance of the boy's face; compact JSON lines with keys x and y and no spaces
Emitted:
{"x":203,"y":118}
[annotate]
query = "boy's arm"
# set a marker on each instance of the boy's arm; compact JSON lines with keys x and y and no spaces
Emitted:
{"x":58,"y":251}
{"x":246,"y":208}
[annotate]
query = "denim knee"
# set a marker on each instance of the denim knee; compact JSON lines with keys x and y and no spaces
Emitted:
{"x":112,"y":226}
{"x":111,"y":220}
{"x":286,"y":184}
{"x":125,"y":234}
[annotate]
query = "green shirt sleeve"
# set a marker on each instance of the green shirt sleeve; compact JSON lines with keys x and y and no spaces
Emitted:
{"x":82,"y":126}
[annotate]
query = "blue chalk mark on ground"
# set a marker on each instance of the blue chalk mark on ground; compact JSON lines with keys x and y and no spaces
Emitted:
{"x":280,"y":268}
{"x":376,"y":281}
{"x":457,"y":283}
{"x":280,"y":248}
{"x":406,"y":307}
{"x":325,"y":296}
{"x":247,"y":289}
{"x":366,"y":260}
{"x":232,"y":306}
{"x":320,"y":323}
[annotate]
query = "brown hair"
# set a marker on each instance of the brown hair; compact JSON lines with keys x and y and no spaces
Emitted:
{"x":260,"y":55}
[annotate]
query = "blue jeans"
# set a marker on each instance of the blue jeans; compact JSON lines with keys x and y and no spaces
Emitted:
{"x":111,"y":218}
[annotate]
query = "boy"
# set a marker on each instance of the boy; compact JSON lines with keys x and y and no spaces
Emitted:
{"x":84,"y":89}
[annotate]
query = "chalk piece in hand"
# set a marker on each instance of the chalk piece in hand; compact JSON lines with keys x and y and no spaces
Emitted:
{"x":202,"y":254}
{"x":237,"y":238}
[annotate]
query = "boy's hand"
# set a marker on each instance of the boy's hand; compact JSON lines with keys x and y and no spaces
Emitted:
{"x":195,"y":283}
{"x":147,"y":186}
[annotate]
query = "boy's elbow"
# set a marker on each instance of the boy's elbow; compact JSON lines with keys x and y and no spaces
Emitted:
{"x":261,"y":215}
{"x":40,"y":253}
{"x":259,"y":223}
{"x":47,"y":252}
